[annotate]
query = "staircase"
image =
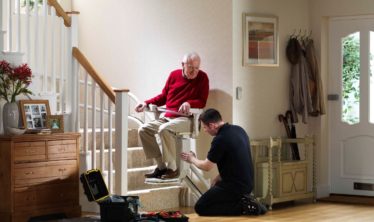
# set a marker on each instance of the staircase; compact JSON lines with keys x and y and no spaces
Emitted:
{"x":104,"y":117}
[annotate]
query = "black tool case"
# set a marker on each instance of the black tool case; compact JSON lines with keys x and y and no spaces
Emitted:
{"x":113,"y":208}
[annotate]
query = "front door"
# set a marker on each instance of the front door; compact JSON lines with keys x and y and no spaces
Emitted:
{"x":351,"y":111}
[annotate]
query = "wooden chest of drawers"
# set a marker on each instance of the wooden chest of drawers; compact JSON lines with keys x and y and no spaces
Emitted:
{"x":39,"y":175}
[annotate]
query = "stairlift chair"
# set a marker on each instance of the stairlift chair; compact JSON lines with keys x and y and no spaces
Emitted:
{"x":184,"y":142}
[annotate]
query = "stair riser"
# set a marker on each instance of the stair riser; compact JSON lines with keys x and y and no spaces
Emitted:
{"x":160,"y":199}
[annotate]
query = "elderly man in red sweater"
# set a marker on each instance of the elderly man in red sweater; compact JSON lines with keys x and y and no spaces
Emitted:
{"x":184,"y":89}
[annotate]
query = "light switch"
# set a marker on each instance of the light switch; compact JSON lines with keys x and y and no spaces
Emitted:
{"x":238,"y":93}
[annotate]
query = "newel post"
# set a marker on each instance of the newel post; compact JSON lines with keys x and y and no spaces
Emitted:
{"x":73,"y":77}
{"x":121,"y":138}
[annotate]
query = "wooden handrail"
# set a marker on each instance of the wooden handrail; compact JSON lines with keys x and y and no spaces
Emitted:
{"x":94,"y":74}
{"x":60,"y":12}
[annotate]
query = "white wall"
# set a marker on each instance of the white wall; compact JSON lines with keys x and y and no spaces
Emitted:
{"x":265,"y":89}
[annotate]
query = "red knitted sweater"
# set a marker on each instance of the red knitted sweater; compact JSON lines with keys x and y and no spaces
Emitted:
{"x":178,"y":90}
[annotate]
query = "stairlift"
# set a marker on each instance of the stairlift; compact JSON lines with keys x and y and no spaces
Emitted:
{"x":188,"y":173}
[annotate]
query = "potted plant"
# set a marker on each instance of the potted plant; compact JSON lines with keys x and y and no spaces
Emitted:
{"x":14,"y":81}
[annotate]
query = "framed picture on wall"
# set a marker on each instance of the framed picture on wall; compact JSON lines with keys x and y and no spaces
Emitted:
{"x":34,"y":113}
{"x":260,"y":40}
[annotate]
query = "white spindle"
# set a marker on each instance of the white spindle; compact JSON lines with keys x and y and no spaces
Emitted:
{"x":122,"y":102}
{"x":45,"y":45}
{"x":102,"y":144}
{"x":36,"y":39}
{"x":53,"y":57}
{"x":2,"y":32}
{"x":18,"y":19}
{"x":1,"y":17}
{"x":93,"y":115}
{"x":28,"y":38}
{"x":75,"y":100}
{"x":85,"y":113}
{"x":62,"y":65}
{"x":74,"y":80}
{"x":10,"y":26}
{"x":110,"y":148}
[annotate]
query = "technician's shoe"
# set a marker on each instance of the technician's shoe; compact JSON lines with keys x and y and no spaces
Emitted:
{"x":170,"y":174}
{"x":157,"y":173}
{"x":251,"y":206}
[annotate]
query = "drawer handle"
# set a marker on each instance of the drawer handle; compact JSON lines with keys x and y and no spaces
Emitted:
{"x":29,"y":173}
{"x":62,"y":170}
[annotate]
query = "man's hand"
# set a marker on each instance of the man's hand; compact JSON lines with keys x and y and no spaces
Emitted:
{"x":185,"y":108}
{"x":140,"y":107}
{"x":188,"y":156}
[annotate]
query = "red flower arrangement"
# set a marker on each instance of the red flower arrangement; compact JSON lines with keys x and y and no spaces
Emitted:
{"x":14,"y":81}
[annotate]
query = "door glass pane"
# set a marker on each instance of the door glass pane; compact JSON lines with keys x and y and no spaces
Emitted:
{"x":351,"y":78}
{"x":371,"y":78}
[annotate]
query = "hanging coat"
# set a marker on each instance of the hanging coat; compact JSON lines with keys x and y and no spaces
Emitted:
{"x":315,"y":83}
{"x":300,"y":99}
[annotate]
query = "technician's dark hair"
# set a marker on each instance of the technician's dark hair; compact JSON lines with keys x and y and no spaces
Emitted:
{"x":210,"y":116}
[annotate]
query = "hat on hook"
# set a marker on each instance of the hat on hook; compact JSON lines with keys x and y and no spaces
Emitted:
{"x":293,"y":51}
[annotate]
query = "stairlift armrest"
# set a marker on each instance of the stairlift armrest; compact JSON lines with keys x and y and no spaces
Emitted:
{"x":196,"y":124}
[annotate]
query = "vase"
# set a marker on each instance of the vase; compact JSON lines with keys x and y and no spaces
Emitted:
{"x":10,"y":117}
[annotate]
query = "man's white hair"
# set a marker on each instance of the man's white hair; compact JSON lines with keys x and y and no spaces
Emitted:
{"x":190,"y":56}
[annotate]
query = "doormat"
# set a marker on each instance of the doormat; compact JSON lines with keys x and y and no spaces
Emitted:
{"x":348,"y":199}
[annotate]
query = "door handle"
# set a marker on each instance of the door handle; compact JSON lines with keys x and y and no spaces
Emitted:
{"x":333,"y":97}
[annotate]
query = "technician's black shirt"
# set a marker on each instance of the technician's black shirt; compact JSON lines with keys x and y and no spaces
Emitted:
{"x":230,"y":150}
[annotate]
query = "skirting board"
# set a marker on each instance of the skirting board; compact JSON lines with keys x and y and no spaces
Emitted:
{"x":323,"y":190}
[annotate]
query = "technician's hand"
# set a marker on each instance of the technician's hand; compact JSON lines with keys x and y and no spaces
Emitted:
{"x":185,"y":108}
{"x":188,"y":156}
{"x":140,"y":107}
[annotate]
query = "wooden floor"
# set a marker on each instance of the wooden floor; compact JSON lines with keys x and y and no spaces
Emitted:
{"x":303,"y":212}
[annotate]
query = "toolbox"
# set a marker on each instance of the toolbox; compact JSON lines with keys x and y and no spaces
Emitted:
{"x":113,"y":208}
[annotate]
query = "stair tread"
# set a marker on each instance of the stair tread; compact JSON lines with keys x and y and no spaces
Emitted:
{"x":138,"y":169}
{"x":132,"y":192}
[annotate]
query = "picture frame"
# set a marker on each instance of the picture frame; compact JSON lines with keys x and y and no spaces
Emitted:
{"x":260,"y":40}
{"x":55,"y":123}
{"x":34,"y":113}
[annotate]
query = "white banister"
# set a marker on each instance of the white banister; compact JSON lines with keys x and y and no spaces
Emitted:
{"x":1,"y":26}
{"x":10,"y":26}
{"x":44,"y":46}
{"x":53,"y":37}
{"x":85,"y":114}
{"x":18,"y":19}
{"x":1,"y":18}
{"x":28,"y":35}
{"x":110,"y":157}
{"x":93,"y":122}
{"x":36,"y":53}
{"x":102,"y":137}
{"x":73,"y":95}
{"x":121,"y":119}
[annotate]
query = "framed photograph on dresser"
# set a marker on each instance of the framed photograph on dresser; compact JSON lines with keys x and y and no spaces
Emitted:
{"x":55,"y":123}
{"x":34,"y":113}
